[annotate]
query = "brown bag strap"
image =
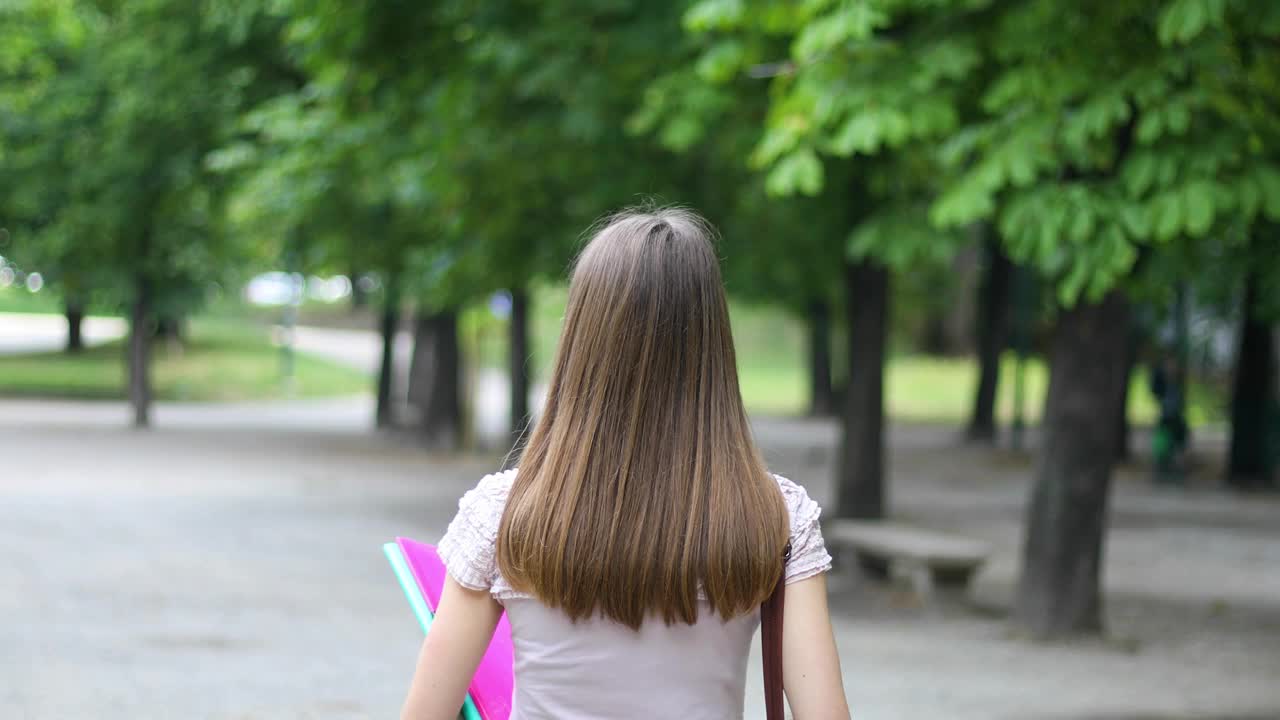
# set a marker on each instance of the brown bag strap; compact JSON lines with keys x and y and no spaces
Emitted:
{"x":771,"y":642}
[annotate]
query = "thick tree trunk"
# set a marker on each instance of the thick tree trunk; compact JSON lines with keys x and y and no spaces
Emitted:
{"x":1067,"y":516}
{"x":992,"y":331}
{"x":139,"y":361}
{"x":519,"y":362}
{"x":1251,"y":398}
{"x":75,"y":323}
{"x":822,"y":398}
{"x":435,"y":386}
{"x":860,"y":478}
{"x":385,"y":412}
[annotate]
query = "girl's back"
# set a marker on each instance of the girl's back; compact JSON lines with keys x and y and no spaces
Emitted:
{"x":599,"y":668}
{"x":634,"y":545}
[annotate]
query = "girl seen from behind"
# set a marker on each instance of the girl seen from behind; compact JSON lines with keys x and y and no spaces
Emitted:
{"x":634,"y":544}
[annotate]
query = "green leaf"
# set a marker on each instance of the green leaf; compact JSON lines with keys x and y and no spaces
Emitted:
{"x":859,"y":134}
{"x":779,"y":139}
{"x":895,"y":127}
{"x":1072,"y":285}
{"x":1052,"y":220}
{"x":1135,"y":220}
{"x":1183,"y":20}
{"x":714,"y":15}
{"x":1179,"y":19}
{"x":798,"y":172}
{"x":1138,"y":173}
{"x":1082,"y":221}
{"x":962,"y":205}
{"x":1197,"y":200}
{"x":680,"y":133}
{"x":851,"y":21}
{"x":1020,"y":167}
{"x":1249,"y":196}
{"x":1177,"y":118}
{"x":1166,"y":215}
{"x":721,"y":61}
{"x":1166,"y":171}
{"x":1150,"y":127}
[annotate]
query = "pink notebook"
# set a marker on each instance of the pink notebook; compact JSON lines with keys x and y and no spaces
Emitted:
{"x":494,"y":682}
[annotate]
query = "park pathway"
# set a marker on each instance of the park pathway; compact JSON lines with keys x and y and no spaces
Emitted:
{"x":226,"y":565}
{"x":31,"y":332}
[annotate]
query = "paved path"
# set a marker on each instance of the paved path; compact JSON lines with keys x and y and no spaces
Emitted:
{"x":29,"y":332}
{"x":361,"y":349}
{"x":226,"y":565}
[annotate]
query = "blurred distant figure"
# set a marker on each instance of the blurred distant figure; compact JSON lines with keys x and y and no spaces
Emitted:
{"x":1170,"y":440}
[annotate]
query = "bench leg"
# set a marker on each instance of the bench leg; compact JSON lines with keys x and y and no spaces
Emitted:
{"x":921,"y":582}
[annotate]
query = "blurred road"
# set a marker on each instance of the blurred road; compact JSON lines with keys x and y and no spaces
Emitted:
{"x":227,"y":565}
{"x":360,"y":349}
{"x":28,"y":332}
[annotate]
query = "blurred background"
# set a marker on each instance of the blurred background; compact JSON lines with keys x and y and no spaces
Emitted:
{"x":281,"y":279}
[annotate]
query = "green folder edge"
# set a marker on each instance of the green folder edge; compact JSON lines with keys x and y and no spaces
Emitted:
{"x":413,"y":594}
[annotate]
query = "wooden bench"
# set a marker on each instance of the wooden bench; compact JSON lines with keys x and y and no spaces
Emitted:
{"x":930,"y":559}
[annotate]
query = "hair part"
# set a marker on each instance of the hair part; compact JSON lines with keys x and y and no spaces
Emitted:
{"x":641,"y":486}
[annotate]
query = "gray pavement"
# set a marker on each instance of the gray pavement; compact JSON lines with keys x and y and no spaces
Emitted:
{"x":29,"y":332}
{"x":227,"y":565}
{"x":361,"y":349}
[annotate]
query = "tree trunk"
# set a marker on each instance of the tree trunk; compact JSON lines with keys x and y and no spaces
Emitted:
{"x":385,"y":412}
{"x":168,"y":327}
{"x":435,"y":386}
{"x":75,"y":324}
{"x":519,"y":360}
{"x":1058,"y":593}
{"x":139,"y":360}
{"x":933,"y":335}
{"x":1251,"y":398}
{"x":992,"y":330}
{"x":822,"y":399}
{"x":860,"y":478}
{"x":359,"y":298}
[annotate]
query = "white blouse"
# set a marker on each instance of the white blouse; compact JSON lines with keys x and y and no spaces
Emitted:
{"x":599,"y":668}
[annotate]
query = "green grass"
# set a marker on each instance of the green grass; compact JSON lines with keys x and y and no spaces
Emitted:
{"x":927,"y":389}
{"x":772,"y":390}
{"x":222,"y":360}
{"x":17,"y":299}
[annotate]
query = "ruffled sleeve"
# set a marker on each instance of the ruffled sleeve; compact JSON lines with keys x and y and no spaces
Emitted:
{"x":809,"y":554}
{"x":469,"y":546}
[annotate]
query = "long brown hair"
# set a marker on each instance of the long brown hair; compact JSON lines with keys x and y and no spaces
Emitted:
{"x":641,"y":484}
